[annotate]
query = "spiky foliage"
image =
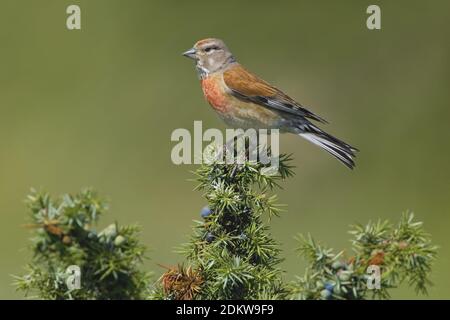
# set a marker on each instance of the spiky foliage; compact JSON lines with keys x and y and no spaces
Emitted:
{"x":231,"y":248}
{"x":109,"y":261}
{"x":402,"y":253}
{"x":230,"y":255}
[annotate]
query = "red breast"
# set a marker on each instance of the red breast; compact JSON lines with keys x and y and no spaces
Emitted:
{"x":213,"y":89}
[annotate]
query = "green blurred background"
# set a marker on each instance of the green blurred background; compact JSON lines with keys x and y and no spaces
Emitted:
{"x":96,"y":108}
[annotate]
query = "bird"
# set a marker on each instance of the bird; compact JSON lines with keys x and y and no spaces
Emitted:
{"x":243,"y":100}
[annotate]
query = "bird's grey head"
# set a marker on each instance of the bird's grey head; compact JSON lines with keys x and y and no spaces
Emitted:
{"x":211,"y":55}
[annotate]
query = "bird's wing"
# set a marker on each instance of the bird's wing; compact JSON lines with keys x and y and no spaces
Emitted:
{"x":248,"y":87}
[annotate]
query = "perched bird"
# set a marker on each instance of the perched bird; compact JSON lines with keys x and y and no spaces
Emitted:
{"x":245,"y":101}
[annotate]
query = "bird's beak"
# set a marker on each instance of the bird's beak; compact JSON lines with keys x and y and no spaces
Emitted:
{"x":191,"y":53}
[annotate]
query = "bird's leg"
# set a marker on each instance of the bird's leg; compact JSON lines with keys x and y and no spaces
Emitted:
{"x":233,"y":172}
{"x":230,"y":150}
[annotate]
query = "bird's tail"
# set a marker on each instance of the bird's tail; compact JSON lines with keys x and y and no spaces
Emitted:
{"x":337,"y":148}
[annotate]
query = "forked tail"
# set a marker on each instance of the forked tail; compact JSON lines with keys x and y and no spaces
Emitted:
{"x":337,"y":148}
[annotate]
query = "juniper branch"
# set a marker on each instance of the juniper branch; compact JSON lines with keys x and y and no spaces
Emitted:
{"x":64,"y":235}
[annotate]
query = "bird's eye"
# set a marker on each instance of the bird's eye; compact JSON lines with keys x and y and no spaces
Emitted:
{"x":210,"y":49}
